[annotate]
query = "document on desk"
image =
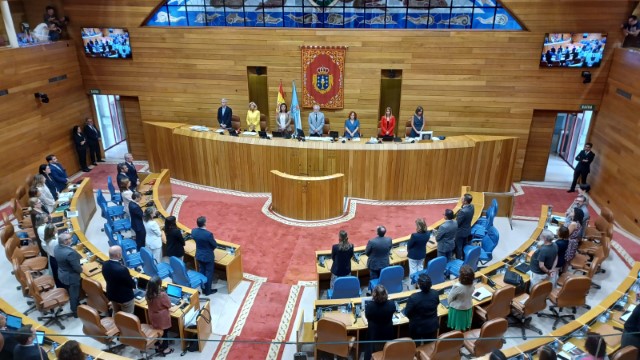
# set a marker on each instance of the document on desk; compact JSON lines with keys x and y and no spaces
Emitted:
{"x":627,"y":313}
{"x":249,"y":133}
{"x":199,"y":128}
{"x":190,"y":317}
{"x":481,"y":293}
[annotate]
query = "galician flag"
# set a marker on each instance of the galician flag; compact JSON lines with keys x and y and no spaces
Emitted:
{"x":295,"y":108}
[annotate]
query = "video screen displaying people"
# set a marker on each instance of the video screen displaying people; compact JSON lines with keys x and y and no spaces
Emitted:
{"x":106,"y":43}
{"x":573,"y":50}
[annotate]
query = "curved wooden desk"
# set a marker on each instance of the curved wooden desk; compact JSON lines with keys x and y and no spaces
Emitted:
{"x":307,"y":197}
{"x":387,"y":171}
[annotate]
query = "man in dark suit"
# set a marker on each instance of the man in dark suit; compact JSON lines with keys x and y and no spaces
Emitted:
{"x":137,"y":222}
{"x":26,"y":349}
{"x":58,"y":173}
{"x":93,"y":140}
{"x":378,"y":250}
{"x":465,"y":214}
{"x":446,"y":235}
{"x":584,"y":159}
{"x":205,"y":245}
{"x":120,"y":284}
{"x":132,"y":173}
{"x":9,"y":339}
{"x":224,"y":115}
{"x":123,"y":169}
{"x":69,"y":269}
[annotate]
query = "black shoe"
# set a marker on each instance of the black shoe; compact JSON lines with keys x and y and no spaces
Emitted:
{"x":86,"y":170}
{"x":101,"y":161}
{"x":75,"y":315}
{"x":570,"y":191}
{"x":95,"y":164}
{"x":213,"y":291}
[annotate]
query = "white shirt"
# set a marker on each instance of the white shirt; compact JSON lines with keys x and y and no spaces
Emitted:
{"x":127,"y":197}
{"x":153,"y":239}
{"x":49,"y":248}
{"x":282,"y":120}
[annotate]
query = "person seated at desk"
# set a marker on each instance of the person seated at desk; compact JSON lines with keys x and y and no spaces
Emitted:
{"x":159,"y":304}
{"x":316,"y":121}
{"x":224,"y":115}
{"x":175,"y":240}
{"x":253,"y":117}
{"x":9,"y":339}
{"x":387,"y":123}
{"x":153,"y":235}
{"x":341,"y":254}
{"x":125,"y":193}
{"x":596,"y":348}
{"x":205,"y":246}
{"x":58,"y":173}
{"x":71,"y":351}
{"x":417,"y":122}
{"x":26,"y":349}
{"x":379,"y":313}
{"x":45,"y":171}
{"x":460,"y":304}
{"x":137,"y":222}
{"x":422,"y":311}
{"x":574,"y":237}
{"x":377,"y":251}
{"x":283,"y":119}
{"x":352,"y":126}
{"x":120,"y":283}
{"x":544,"y":259}
{"x":417,"y":246}
{"x":446,"y":235}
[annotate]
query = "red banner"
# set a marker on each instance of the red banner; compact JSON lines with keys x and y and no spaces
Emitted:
{"x":323,"y":76}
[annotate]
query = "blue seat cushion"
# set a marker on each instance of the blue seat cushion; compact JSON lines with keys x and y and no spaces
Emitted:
{"x":195,"y":278}
{"x":164,"y":270}
{"x":453,"y":267}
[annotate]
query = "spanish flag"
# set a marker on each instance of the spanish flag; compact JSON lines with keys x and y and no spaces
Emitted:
{"x":280,"y":97}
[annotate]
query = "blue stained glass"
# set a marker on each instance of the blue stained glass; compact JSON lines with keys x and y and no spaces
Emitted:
{"x":418,"y":19}
{"x":237,"y":19}
{"x":504,"y":21}
{"x":460,"y":18}
{"x":483,"y":18}
{"x":177,"y":16}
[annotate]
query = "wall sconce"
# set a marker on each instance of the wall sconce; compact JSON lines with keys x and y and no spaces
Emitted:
{"x":586,"y":77}
{"x":44,"y":98}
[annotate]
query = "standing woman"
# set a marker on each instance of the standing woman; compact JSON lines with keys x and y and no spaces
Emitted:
{"x":422,"y":311}
{"x":341,"y":254}
{"x":352,"y":126}
{"x":283,"y":119}
{"x":81,"y":147}
{"x":175,"y":240}
{"x":49,"y":244}
{"x":45,"y":171}
{"x":159,"y":315}
{"x":47,"y":199}
{"x":253,"y":117}
{"x":417,"y":122}
{"x":417,"y":246}
{"x":125,"y":193}
{"x":379,"y":313}
{"x":574,"y":236}
{"x":387,"y":123}
{"x":153,"y":239}
{"x":460,"y":304}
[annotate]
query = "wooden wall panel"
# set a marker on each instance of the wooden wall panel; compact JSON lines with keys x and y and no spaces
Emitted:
{"x":133,"y":122}
{"x":539,"y":145}
{"x":469,"y":82}
{"x":31,"y":130}
{"x":615,"y":176}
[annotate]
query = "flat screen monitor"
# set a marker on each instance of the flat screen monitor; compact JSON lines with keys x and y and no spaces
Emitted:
{"x":39,"y":338}
{"x":109,"y":43}
{"x":426,"y":135}
{"x":174,"y":291}
{"x":14,"y":322}
{"x":573,"y":50}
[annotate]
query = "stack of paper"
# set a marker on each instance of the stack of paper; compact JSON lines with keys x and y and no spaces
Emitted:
{"x":199,"y":128}
{"x":627,"y":313}
{"x":481,"y":293}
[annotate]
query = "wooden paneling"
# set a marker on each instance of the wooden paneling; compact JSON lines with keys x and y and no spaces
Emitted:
{"x":539,"y":145}
{"x":615,"y":175}
{"x":469,"y":82}
{"x":306,"y":197}
{"x":133,"y":122}
{"x":31,"y":130}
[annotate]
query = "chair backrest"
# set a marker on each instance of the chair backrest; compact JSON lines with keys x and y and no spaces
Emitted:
{"x":448,"y":346}
{"x":331,"y":336}
{"x":34,"y":291}
{"x":346,"y":287}
{"x":16,"y":208}
{"x":402,"y":348}
{"x":125,"y":257}
{"x":263,"y":122}
{"x":472,"y":256}
{"x":100,"y":198}
{"x":494,"y":204}
{"x":391,"y":278}
{"x":103,"y":212}
{"x":130,"y":330}
{"x":607,"y":214}
{"x":5,"y":219}
{"x":235,"y":122}
{"x":628,"y":352}
{"x":574,"y":291}
{"x":327,"y":126}
{"x":487,"y":244}
{"x":112,"y":189}
{"x":491,"y":214}
{"x":180,"y":275}
{"x":10,"y":247}
{"x":407,"y":129}
{"x":148,"y":264}
{"x":491,"y":335}
{"x":21,"y":192}
{"x":28,"y":181}
{"x":95,"y":296}
{"x":494,"y":234}
{"x":436,"y":268}
{"x":500,"y":305}
{"x":20,"y":276}
{"x":108,"y":230}
{"x":91,"y":324}
{"x":7,"y":233}
{"x":537,"y":300}
{"x":606,"y":245}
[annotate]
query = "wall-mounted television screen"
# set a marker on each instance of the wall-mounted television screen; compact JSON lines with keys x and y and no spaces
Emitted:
{"x":583,"y":50}
{"x":107,"y":43}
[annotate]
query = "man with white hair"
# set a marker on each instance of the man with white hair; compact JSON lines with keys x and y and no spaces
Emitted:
{"x":316,"y":121}
{"x":224,"y":115}
{"x":544,"y":259}
{"x":132,"y":173}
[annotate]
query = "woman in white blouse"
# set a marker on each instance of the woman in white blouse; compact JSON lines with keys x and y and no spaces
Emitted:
{"x":283,"y":119}
{"x":126,"y":194}
{"x":45,"y":195}
{"x":153,"y":239}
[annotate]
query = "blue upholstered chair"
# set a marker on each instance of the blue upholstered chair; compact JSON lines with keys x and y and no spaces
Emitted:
{"x":151,"y":267}
{"x":132,"y":260}
{"x":184,"y":277}
{"x":391,"y":278}
{"x":116,"y":239}
{"x":486,"y":249}
{"x":112,"y":211}
{"x":116,"y":198}
{"x":345,"y":287}
{"x":117,"y":225}
{"x":471,"y":258}
{"x":435,"y":269}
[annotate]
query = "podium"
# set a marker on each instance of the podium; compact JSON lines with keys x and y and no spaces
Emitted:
{"x":307,"y":197}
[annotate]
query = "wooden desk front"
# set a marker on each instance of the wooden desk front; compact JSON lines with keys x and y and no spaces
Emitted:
{"x":307,"y":197}
{"x":388,"y":171}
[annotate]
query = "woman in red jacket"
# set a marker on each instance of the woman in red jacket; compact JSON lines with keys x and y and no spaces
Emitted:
{"x":158,"y":303}
{"x":387,"y":123}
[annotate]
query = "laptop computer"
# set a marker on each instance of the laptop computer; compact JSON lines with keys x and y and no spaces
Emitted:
{"x":141,"y":286}
{"x":232,"y":132}
{"x":39,"y":338}
{"x":387,"y":138}
{"x":334,"y":134}
{"x":175,"y":293}
{"x":262,"y":134}
{"x":299,"y":133}
{"x":523,"y":268}
{"x":426,"y":135}
{"x":14,"y":322}
{"x":277,"y":134}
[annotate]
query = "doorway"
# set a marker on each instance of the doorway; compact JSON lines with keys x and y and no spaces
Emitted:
{"x":110,"y":118}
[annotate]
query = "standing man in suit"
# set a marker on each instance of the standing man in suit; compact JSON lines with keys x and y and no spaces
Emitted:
{"x":120,"y":284}
{"x":132,"y":173}
{"x":123,"y":169}
{"x":224,"y":115}
{"x":69,"y":269}
{"x":446,"y":235}
{"x":58,"y":173}
{"x":464,"y":224}
{"x":137,"y":223}
{"x":378,"y":250}
{"x":205,"y":245}
{"x":584,"y":159}
{"x":316,"y":121}
{"x":93,"y":140}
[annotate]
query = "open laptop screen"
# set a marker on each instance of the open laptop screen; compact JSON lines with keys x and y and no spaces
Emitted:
{"x":14,"y":322}
{"x":174,"y":291}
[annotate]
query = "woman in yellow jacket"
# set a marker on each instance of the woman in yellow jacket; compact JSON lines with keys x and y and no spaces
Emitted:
{"x":253,"y":117}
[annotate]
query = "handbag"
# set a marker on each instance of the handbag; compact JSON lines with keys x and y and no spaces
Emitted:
{"x":514,"y":279}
